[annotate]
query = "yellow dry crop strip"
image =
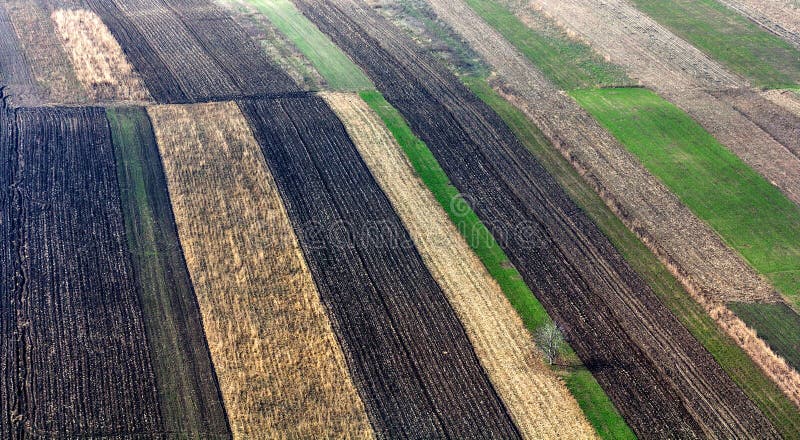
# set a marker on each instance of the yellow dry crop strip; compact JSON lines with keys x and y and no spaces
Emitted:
{"x":280,"y":368}
{"x":538,"y":401}
{"x":100,"y":64}
{"x":50,"y":65}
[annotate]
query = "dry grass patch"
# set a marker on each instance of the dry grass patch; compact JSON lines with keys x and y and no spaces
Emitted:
{"x":539,"y":402}
{"x":49,"y":63}
{"x":280,"y":368}
{"x":100,"y":64}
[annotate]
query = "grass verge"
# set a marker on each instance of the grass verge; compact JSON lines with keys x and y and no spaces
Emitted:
{"x":596,"y":405}
{"x":337,"y":69}
{"x":762,"y":391}
{"x":730,"y":38}
{"x":568,"y":63}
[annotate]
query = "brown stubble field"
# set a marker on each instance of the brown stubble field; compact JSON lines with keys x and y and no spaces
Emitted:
{"x":100,"y":64}
{"x":279,"y":365}
{"x":680,"y":73}
{"x":501,"y":341}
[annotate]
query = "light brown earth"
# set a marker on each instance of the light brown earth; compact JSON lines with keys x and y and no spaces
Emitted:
{"x":781,"y":17}
{"x":538,"y":401}
{"x":709,"y":269}
{"x":100,"y":64}
{"x":49,"y":62}
{"x":280,"y":368}
{"x":680,"y":73}
{"x":784,"y":98}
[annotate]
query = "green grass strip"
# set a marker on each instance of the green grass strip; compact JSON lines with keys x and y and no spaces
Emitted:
{"x":760,"y":389}
{"x":595,"y":404}
{"x":730,"y":38}
{"x":337,"y":69}
{"x":750,"y":214}
{"x":190,"y":402}
{"x":568,"y":63}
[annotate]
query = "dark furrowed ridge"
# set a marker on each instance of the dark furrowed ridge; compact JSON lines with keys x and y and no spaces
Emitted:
{"x":662,"y":380}
{"x":233,"y":58}
{"x":81,"y":320}
{"x":409,"y":356}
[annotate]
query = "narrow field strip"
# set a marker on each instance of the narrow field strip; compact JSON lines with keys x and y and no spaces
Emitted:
{"x":473,"y":145}
{"x":591,"y":398}
{"x":189,"y":397}
{"x":78,"y":363}
{"x":787,"y":99}
{"x":781,"y":17}
{"x":339,"y":72}
{"x":781,"y":411}
{"x":409,"y":354}
{"x":570,"y":64}
{"x":538,"y":401}
{"x":190,"y":51}
{"x":682,"y":74}
{"x":52,"y":70}
{"x":777,"y":120}
{"x":15,"y":74}
{"x":277,"y":45}
{"x":751,"y":215}
{"x":9,"y":389}
{"x":280,"y":368}
{"x":745,"y":48}
{"x":100,"y":64}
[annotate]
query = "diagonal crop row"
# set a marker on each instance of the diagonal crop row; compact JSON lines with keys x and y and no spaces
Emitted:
{"x":410,"y":356}
{"x":659,"y":376}
{"x":501,"y":341}
{"x":189,"y":396}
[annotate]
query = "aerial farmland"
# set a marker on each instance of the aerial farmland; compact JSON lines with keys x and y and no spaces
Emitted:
{"x":399,"y":219}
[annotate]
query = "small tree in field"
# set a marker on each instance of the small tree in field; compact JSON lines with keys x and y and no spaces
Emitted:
{"x":550,"y":340}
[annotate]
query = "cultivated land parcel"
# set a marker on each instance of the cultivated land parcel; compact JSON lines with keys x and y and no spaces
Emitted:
{"x":344,"y":219}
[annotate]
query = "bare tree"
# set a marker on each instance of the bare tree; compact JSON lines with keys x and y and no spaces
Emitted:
{"x":550,"y":340}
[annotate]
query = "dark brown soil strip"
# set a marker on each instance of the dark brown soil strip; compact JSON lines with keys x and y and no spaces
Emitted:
{"x":81,"y":364}
{"x":662,"y":380}
{"x":406,"y":349}
{"x":191,"y":51}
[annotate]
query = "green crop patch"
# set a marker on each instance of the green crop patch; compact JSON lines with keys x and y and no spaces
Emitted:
{"x":567,"y":62}
{"x":730,"y":38}
{"x":777,"y":324}
{"x":750,"y":214}
{"x":760,"y":389}
{"x":594,"y":402}
{"x":337,"y":69}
